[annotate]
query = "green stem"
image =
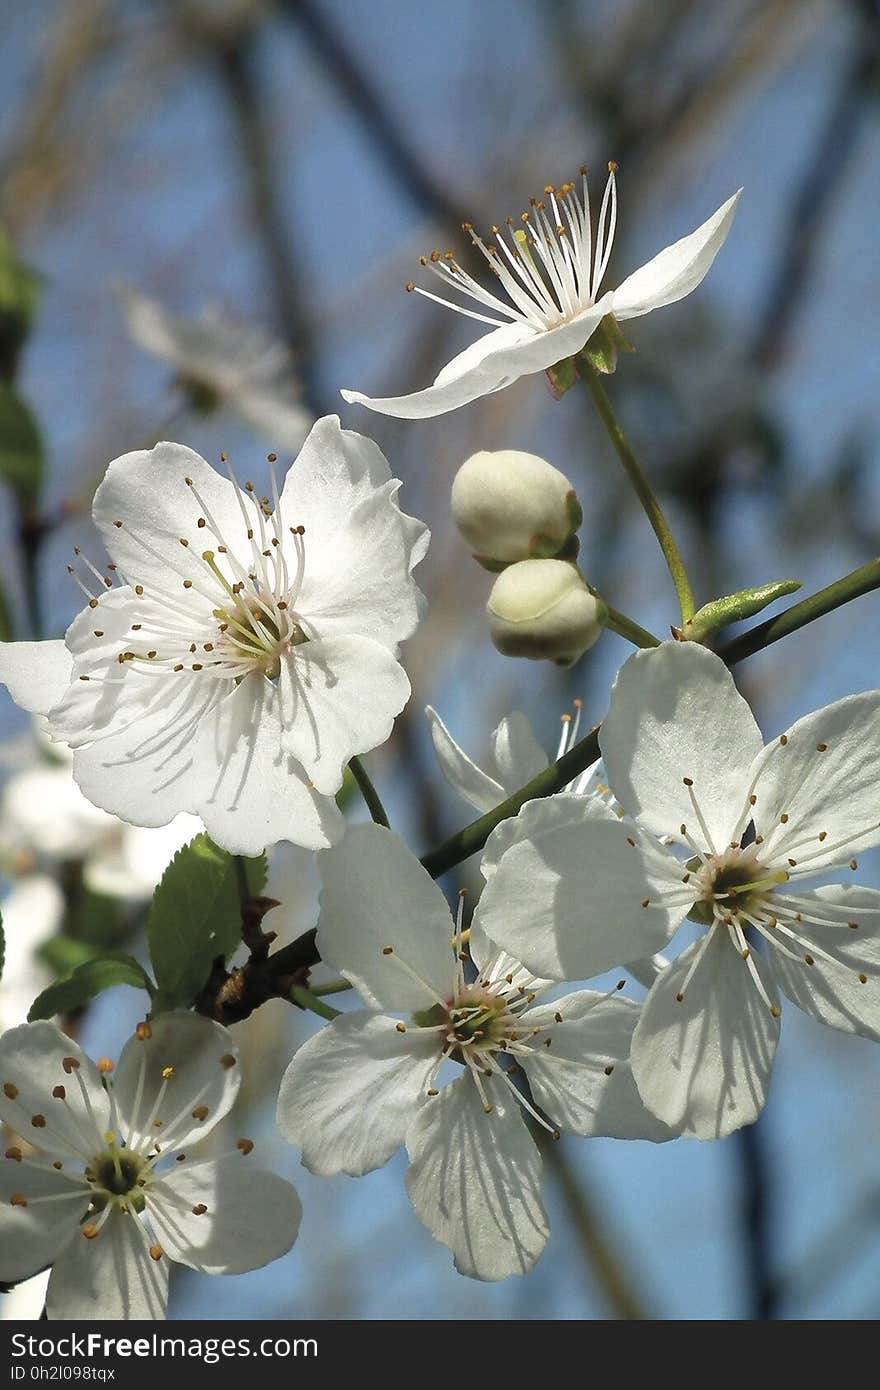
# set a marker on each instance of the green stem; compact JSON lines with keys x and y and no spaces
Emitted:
{"x":554,"y":778}
{"x":334,"y":987}
{"x":625,"y":627}
{"x":652,"y":508}
{"x":369,"y":793}
{"x":853,"y":585}
{"x":307,"y":1000}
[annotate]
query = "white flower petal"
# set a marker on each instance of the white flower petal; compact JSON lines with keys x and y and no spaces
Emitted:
{"x":32,"y":1066}
{"x":201,"y":1062}
{"x":339,"y":696}
{"x":495,"y":360}
{"x":823,"y":779}
{"x":474,"y":785}
{"x":33,"y":911}
{"x":475,"y":1181}
{"x":351,"y":1091}
{"x":376,"y":895}
{"x":142,"y":769}
{"x":32,"y":1236}
{"x":582,"y":1080}
{"x":517,"y":754}
{"x":845,"y":992}
{"x":252,"y":1216}
{"x":25,"y":1301}
{"x":112,"y":1275}
{"x":284,"y":423}
{"x":358,"y":575}
{"x":703,"y":1064}
{"x":147,"y":491}
{"x":36,"y":674}
{"x":677,"y":270}
{"x":252,"y":793}
{"x":225,"y":764}
{"x":675,"y":713}
{"x":567,"y":897}
{"x":494,"y":964}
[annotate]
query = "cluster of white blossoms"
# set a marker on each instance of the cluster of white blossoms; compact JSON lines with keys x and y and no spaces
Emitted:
{"x":240,"y":651}
{"x":101,"y":1186}
{"x":742,"y":826}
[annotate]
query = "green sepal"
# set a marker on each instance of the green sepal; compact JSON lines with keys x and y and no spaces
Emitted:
{"x":493,"y":566}
{"x":601,"y":351}
{"x":604,"y":346}
{"x":202,"y":398}
{"x":733,"y":609}
{"x":574,"y":511}
{"x":21,"y":447}
{"x":89,"y":979}
{"x":561,"y":377}
{"x":195,"y":916}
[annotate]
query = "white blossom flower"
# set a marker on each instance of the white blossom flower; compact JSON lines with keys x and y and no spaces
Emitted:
{"x":225,"y":363}
{"x":515,"y":757}
{"x":549,"y":278}
{"x":100,"y":1202}
{"x":120,"y":860}
{"x":684,"y":756}
{"x":370,"y":1081}
{"x":251,"y":650}
{"x":32,"y":912}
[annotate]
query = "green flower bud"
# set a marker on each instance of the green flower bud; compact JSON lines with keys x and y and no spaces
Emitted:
{"x":509,"y":506}
{"x":542,"y":609}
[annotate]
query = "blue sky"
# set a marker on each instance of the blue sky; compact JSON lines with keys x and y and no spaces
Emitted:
{"x":473,"y":88}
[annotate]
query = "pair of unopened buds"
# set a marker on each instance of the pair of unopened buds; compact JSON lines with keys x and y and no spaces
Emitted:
{"x":520,"y":517}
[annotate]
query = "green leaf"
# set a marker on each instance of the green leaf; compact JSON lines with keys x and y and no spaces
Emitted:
{"x":195,"y":916}
{"x":21,"y":448}
{"x":89,"y":979}
{"x":734,"y":608}
{"x":64,"y":954}
{"x":19,"y":298}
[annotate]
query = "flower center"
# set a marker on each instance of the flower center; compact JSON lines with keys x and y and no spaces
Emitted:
{"x":118,"y":1176}
{"x":257,"y":635}
{"x":479,"y":1019}
{"x":729,"y":883}
{"x":550,"y":267}
{"x":227,"y":611}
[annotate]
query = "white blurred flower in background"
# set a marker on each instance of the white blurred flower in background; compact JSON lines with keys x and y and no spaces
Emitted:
{"x":224,"y":364}
{"x":45,"y":820}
